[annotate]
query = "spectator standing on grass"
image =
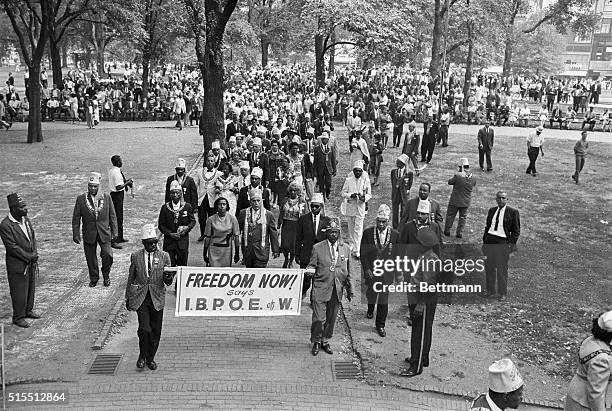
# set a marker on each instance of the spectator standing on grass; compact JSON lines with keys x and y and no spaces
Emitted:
{"x":118,"y":185}
{"x":580,"y":151}
{"x":3,"y":114}
{"x":463,"y":183}
{"x":535,"y":141}
{"x":486,"y":136}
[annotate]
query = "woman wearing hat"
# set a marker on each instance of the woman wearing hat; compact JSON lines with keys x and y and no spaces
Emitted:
{"x":359,"y":149}
{"x":290,"y":213}
{"x":590,"y":389}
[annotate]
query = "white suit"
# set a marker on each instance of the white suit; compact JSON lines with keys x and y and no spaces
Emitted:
{"x":355,"y":208}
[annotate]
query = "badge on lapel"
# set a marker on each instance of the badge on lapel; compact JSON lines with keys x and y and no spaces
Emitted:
{"x":184,"y":213}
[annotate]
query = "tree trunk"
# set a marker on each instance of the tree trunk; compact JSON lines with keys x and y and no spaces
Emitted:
{"x":64,"y":53}
{"x":99,"y":45}
{"x":468,"y":65}
{"x":509,"y":43}
{"x":265,"y":49}
{"x":56,"y":61}
{"x":146,"y":61}
{"x":213,"y":115}
{"x":319,"y":61}
{"x":34,"y":117}
{"x":332,"y":54}
{"x":434,"y":65}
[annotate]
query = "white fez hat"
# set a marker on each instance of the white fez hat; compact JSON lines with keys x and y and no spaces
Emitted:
{"x":605,"y":321}
{"x":317,"y":198}
{"x":424,"y":206}
{"x":257,"y":172}
{"x":232,"y":138}
{"x":245,"y":164}
{"x":148,"y":232}
{"x":257,"y":141}
{"x":504,"y":377}
{"x":310,"y":130}
{"x":403,"y":158}
{"x":255,"y":194}
{"x":261,"y":129}
{"x":358,"y":164}
{"x":180,"y":163}
{"x":94,"y":178}
{"x":464,"y":162}
{"x":215,"y":144}
{"x":327,"y":129}
{"x":175,"y":185}
{"x":384,"y":212}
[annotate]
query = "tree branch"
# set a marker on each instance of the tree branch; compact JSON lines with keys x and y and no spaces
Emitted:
{"x":336,"y":43}
{"x":456,"y":46}
{"x":538,"y":24}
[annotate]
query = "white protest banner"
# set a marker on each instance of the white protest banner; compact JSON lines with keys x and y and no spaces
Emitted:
{"x":238,"y":292}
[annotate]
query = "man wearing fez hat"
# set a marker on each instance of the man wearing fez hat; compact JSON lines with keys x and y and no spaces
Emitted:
{"x":97,"y":213}
{"x":421,"y":239}
{"x":217,"y":154}
{"x":329,"y":267}
{"x":176,"y":220}
{"x":190,"y":191}
{"x":505,"y":388}
{"x":309,"y":231}
{"x":356,"y":193}
{"x":378,"y":243}
{"x":255,"y":182}
{"x":258,"y":232}
{"x":145,"y":293}
{"x":19,"y":240}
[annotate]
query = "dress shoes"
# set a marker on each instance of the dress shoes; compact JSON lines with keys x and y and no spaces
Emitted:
{"x":116,"y":246}
{"x":140,"y":363}
{"x":200,"y":238}
{"x":370,"y":316}
{"x":411,"y":372}
{"x":107,"y":282}
{"x":93,"y":283}
{"x":315,"y":348}
{"x":152,"y":365}
{"x":33,"y":315}
{"x":326,"y":347}
{"x":123,"y":240}
{"x":381,"y":331}
{"x":21,"y":323}
{"x":424,"y":364}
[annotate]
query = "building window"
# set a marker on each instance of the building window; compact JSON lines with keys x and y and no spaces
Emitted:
{"x":607,"y":5}
{"x":586,"y":39}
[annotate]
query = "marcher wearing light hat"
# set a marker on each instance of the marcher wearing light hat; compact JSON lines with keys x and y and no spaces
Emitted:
{"x":259,"y":159}
{"x":535,"y":142}
{"x":325,"y":162}
{"x":219,"y":155}
{"x":290,"y":212}
{"x":145,"y":293}
{"x":463,"y":183}
{"x":244,"y":178}
{"x":359,"y":150}
{"x":505,"y":388}
{"x":206,"y":179}
{"x":356,"y":192}
{"x":19,"y":240}
{"x":378,"y":242}
{"x":329,"y":267}
{"x":591,"y":387}
{"x":258,"y":230}
{"x":99,"y":227}
{"x":244,"y":196}
{"x":310,"y":230}
{"x":188,"y":185}
{"x":401,"y":183}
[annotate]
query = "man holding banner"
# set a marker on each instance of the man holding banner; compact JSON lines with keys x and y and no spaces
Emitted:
{"x":330,"y":264}
{"x":258,"y":232}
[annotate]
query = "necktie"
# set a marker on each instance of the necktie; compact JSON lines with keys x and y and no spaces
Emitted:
{"x":333,"y":254}
{"x":314,"y":223}
{"x":27,"y":226}
{"x":497,"y":218}
{"x":149,"y":266}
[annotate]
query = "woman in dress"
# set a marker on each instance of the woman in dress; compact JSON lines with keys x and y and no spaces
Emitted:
{"x":220,"y":233}
{"x":227,"y":185}
{"x":235,"y":160}
{"x":275,"y":158}
{"x":289,"y":215}
{"x":593,"y":378}
{"x":296,"y":163}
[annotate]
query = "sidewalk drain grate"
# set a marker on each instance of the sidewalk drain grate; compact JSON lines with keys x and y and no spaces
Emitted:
{"x":345,"y":370}
{"x":105,"y":364}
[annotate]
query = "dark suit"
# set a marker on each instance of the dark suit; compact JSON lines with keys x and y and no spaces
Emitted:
{"x":145,"y":293}
{"x":327,"y":288}
{"x":254,"y":255}
{"x":400,"y":191}
{"x":178,"y":249}
{"x":20,"y":269}
{"x":243,"y":199}
{"x":325,"y":167}
{"x":410,"y":213}
{"x":373,"y":248}
{"x":231,"y":130}
{"x":305,"y":239}
{"x":262,"y":162}
{"x":485,"y":140}
{"x":190,"y":191}
{"x":498,"y":249}
{"x":96,"y":230}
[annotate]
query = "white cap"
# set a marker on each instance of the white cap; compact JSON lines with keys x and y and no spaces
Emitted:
{"x":232,"y":138}
{"x":245,"y":164}
{"x":424,"y":206}
{"x":180,"y":163}
{"x":358,"y":164}
{"x":94,"y":178}
{"x":175,"y":186}
{"x":384,"y":212}
{"x":257,"y":172}
{"x":256,"y":141}
{"x":216,"y":144}
{"x":307,"y":115}
{"x":605,"y":321}
{"x":255,"y":194}
{"x":261,"y":129}
{"x":464,"y":162}
{"x":403,"y":158}
{"x":539,"y":129}
{"x":504,"y":377}
{"x":310,"y":130}
{"x":327,"y":129}
{"x":317,"y":198}
{"x":148,"y":232}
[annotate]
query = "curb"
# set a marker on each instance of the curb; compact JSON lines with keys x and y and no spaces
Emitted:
{"x":104,"y":332}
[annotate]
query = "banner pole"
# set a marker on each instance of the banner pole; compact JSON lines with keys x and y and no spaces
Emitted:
{"x":3,"y":381}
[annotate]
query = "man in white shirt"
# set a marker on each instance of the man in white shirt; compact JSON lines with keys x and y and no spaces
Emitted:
{"x":206,"y":178}
{"x":534,"y":148}
{"x":118,"y":186}
{"x":356,"y":193}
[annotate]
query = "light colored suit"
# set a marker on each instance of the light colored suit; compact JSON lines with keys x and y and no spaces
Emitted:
{"x":138,"y":283}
